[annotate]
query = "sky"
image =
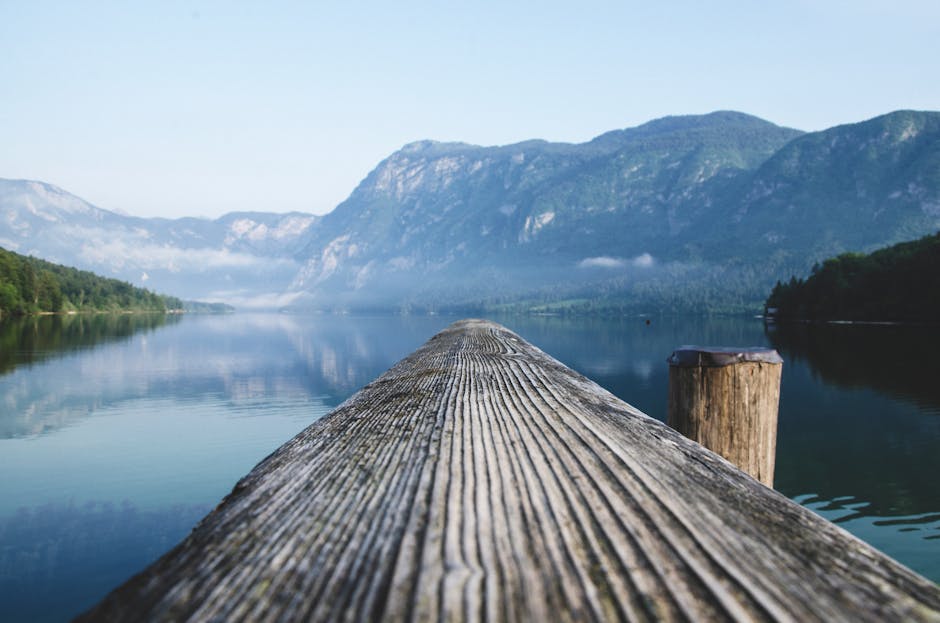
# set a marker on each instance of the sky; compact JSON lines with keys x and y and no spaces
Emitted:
{"x":198,"y":108}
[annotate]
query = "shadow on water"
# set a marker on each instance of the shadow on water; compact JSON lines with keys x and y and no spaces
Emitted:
{"x":898,"y":360}
{"x":25,"y":341}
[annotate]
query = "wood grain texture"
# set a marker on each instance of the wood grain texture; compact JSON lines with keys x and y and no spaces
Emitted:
{"x":480,"y":479}
{"x":730,"y":409}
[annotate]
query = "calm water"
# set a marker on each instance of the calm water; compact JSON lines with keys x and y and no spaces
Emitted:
{"x":118,"y":433}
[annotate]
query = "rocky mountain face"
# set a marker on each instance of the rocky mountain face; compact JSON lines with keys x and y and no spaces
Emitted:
{"x":687,"y":213}
{"x":246,"y":258}
{"x":852,"y":187}
{"x":683,"y":213}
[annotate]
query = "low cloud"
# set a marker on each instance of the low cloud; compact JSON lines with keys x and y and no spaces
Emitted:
{"x":641,"y":261}
{"x":137,"y":251}
{"x":243,"y":299}
{"x":602,"y":262}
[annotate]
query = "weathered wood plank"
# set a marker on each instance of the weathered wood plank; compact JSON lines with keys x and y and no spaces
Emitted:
{"x":481,"y":479}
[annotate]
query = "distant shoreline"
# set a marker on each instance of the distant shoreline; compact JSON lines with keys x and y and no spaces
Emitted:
{"x":769,"y":319}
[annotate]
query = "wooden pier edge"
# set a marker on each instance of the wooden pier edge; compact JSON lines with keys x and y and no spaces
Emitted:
{"x":480,"y":479}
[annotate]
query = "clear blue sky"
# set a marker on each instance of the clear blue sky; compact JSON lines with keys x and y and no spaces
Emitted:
{"x":198,"y":108}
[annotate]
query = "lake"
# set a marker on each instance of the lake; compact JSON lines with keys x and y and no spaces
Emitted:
{"x":118,"y":433}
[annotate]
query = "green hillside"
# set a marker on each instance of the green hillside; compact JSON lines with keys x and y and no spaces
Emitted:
{"x":900,"y":282}
{"x":29,"y":285}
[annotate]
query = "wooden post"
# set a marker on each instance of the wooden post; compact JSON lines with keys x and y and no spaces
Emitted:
{"x":726,"y":399}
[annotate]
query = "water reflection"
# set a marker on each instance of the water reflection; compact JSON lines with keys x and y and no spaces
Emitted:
{"x":898,"y":360}
{"x":859,"y":432}
{"x":106,"y":451}
{"x":239,"y":359}
{"x":859,"y":415}
{"x":33,"y":339}
{"x":910,"y":539}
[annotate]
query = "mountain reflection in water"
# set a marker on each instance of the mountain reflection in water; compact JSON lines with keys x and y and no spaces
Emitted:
{"x":29,"y":340}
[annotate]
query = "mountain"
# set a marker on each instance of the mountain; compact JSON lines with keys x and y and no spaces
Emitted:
{"x":683,"y":213}
{"x":459,"y":223}
{"x":244,"y":257}
{"x":852,"y":187}
{"x":690,"y":213}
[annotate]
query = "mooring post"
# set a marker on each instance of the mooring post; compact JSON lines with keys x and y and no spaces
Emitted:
{"x":726,"y":399}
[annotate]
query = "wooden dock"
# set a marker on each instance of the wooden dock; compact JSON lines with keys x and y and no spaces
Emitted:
{"x":480,"y":479}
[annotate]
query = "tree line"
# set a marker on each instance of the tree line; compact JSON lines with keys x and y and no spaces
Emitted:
{"x":898,"y":283}
{"x":29,"y":285}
